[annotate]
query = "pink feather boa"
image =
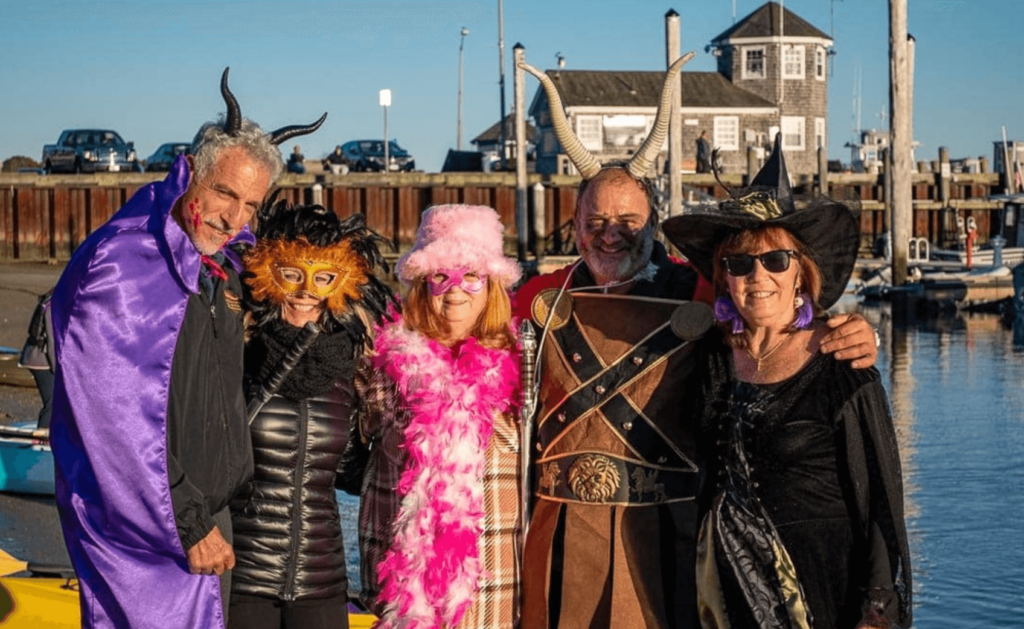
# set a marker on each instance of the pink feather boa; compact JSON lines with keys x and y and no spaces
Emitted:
{"x":430,"y":575}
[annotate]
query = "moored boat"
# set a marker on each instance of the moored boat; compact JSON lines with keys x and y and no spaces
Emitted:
{"x":26,"y":462}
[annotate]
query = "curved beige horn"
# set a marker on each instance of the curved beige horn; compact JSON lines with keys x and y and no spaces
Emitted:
{"x":648,"y":151}
{"x":583,"y":159}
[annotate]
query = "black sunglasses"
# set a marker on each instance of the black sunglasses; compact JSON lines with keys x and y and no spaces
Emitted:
{"x":773,"y":261}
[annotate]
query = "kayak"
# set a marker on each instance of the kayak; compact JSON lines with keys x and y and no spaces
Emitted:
{"x":48,"y":598}
{"x":26,"y":461}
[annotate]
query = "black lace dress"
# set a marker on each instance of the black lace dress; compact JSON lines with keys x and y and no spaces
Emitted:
{"x":804,"y":512}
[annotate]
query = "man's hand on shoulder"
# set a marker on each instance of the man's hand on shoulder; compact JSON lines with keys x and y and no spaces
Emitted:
{"x":211,"y":555}
{"x":851,"y":338}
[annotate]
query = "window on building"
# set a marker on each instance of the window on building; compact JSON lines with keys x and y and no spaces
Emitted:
{"x":727,"y":133}
{"x":753,"y":63}
{"x":792,"y":62}
{"x":588,"y":130}
{"x":819,"y":63}
{"x":625,"y":130}
{"x":793,"y":133}
{"x":819,"y":132}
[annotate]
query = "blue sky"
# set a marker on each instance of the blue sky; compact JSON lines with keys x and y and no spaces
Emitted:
{"x":151,"y":69}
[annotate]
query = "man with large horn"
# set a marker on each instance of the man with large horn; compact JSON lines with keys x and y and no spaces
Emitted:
{"x":616,"y":464}
{"x":149,"y":431}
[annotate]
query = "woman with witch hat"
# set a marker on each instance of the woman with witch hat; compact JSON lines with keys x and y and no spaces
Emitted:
{"x":805,"y":527}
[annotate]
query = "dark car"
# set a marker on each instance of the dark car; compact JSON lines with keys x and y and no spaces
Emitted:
{"x":368,"y":156}
{"x":90,"y":151}
{"x":164,"y":156}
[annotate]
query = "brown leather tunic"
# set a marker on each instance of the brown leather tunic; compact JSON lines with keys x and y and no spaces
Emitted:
{"x":612,"y":537}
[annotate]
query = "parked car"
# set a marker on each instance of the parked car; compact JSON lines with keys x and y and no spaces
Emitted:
{"x":165,"y":155}
{"x":368,"y":156}
{"x":89,"y":151}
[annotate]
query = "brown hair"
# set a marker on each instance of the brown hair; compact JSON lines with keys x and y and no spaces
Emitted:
{"x":808,"y":278}
{"x":493,"y":329}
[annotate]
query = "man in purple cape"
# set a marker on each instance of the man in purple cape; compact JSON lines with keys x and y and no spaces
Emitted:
{"x":149,"y":433}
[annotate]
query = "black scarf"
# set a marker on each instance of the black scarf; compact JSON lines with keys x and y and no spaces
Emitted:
{"x":332,"y":357}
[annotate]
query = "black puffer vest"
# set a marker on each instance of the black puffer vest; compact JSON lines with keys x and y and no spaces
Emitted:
{"x":288,"y":541}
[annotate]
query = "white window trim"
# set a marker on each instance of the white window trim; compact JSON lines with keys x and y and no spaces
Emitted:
{"x":716,"y":139}
{"x":819,"y":129}
{"x":743,"y":63}
{"x":587,"y":143}
{"x":787,"y":48}
{"x":788,"y":124}
{"x":820,"y":61}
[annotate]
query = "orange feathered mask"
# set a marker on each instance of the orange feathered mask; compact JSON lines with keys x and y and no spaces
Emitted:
{"x":279,"y":268}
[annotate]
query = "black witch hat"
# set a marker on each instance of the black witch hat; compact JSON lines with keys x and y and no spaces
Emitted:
{"x":830,"y":230}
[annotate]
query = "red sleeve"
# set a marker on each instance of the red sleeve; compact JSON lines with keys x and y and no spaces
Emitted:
{"x":705,"y":291}
{"x":523,"y":298}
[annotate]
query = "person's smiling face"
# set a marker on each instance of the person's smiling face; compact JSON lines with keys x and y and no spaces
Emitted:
{"x":763,"y":298}
{"x":614,"y":230}
{"x":460,"y":308}
{"x":214,"y":209}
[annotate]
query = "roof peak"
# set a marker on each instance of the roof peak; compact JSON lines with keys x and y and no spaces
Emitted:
{"x":771,"y":19}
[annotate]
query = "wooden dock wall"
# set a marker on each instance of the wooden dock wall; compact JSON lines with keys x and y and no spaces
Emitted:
{"x":46,"y":217}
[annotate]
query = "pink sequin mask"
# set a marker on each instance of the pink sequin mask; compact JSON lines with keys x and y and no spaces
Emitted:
{"x":443,"y":280}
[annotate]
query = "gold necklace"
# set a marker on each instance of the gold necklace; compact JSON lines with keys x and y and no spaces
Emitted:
{"x":758,"y":359}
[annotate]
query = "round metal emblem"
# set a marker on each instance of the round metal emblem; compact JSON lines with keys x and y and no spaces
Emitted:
{"x":692,"y":319}
{"x":543,"y":303}
{"x":593,"y":478}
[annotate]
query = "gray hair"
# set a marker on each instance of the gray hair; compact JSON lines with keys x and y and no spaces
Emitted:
{"x":211,"y":139}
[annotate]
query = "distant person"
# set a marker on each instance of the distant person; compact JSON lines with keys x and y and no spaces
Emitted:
{"x":308,"y":266}
{"x":296,"y":162}
{"x":335,"y":162}
{"x":149,"y":434}
{"x":37,"y":355}
{"x":805,"y":527}
{"x":703,"y":153}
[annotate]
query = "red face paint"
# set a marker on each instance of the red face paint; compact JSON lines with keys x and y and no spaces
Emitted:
{"x":194,"y":214}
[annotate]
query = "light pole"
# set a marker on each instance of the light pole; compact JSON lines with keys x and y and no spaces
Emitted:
{"x":462,"y":40}
{"x":385,"y":102}
{"x":501,"y":79}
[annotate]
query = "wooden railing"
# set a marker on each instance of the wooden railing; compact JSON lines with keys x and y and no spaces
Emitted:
{"x":46,"y":217}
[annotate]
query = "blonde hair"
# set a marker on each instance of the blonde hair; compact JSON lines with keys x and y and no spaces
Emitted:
{"x":492,"y":330}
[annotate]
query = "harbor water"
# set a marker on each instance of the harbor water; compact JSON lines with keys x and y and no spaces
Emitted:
{"x":957,"y":389}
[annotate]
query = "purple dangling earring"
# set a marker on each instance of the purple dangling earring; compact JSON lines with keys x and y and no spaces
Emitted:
{"x":725,"y":311}
{"x":804,"y":311}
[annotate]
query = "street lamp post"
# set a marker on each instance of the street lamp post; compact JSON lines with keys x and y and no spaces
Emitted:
{"x":462,"y":40}
{"x":385,"y":102}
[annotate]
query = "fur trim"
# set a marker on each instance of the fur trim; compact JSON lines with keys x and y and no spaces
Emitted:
{"x":430,"y":574}
{"x":452,"y":236}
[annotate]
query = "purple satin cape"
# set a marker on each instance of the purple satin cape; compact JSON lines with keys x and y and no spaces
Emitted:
{"x":117,"y":312}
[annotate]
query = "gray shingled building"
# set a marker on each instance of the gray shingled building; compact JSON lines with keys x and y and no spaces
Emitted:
{"x":772,"y":76}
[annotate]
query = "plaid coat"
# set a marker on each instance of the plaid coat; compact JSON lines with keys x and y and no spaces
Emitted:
{"x":382,"y":426}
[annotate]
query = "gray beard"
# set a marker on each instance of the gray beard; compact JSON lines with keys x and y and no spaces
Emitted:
{"x":607,"y":272}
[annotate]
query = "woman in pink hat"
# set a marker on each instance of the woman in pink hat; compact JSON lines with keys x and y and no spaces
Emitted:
{"x":439,"y":506}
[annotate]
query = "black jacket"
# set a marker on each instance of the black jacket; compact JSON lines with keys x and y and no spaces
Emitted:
{"x":288,"y":539}
{"x":209,"y":456}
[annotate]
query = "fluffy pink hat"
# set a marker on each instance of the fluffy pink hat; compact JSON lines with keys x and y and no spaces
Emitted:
{"x":452,"y":236}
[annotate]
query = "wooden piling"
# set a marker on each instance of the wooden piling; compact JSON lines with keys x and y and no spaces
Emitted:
{"x":675,"y":124}
{"x":900,"y":80}
{"x":752,"y":166}
{"x":522,"y":220}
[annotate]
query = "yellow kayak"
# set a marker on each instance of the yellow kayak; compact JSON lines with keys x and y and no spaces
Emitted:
{"x":45,"y":602}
